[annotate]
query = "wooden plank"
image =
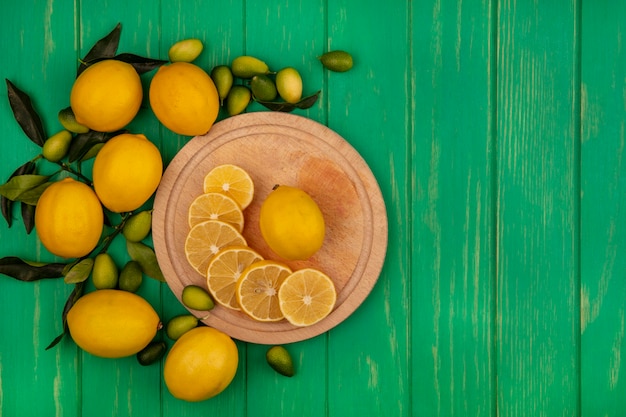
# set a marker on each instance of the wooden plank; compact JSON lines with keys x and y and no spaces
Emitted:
{"x":37,"y":48}
{"x":219,"y":25}
{"x":603,"y":221}
{"x":288,"y":35}
{"x":124,"y":388}
{"x":538,"y":196}
{"x":453,"y":148}
{"x":368,"y":354}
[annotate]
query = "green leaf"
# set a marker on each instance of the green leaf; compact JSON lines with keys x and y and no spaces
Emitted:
{"x":25,"y":114}
{"x":7,"y":205}
{"x":79,"y":272}
{"x":283,"y":106}
{"x":22,"y":270}
{"x":141,"y":64}
{"x":31,"y":196}
{"x":76,"y":293}
{"x":28,"y":216}
{"x":146,"y":257}
{"x":102,"y":49}
{"x":20,"y":184}
{"x":84,"y":142}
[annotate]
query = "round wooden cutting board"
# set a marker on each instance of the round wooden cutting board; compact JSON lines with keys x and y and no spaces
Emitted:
{"x":279,"y":148}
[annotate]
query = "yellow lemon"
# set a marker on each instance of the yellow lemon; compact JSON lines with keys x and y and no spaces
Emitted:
{"x":112,"y":323}
{"x":291,"y":223}
{"x":184,"y":98}
{"x":201,"y":364}
{"x":69,"y":218}
{"x":126,"y":172}
{"x":106,"y":96}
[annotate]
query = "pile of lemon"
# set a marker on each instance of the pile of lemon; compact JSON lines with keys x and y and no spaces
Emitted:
{"x":237,"y":276}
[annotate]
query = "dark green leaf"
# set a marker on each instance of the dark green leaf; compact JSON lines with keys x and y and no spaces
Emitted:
{"x":16,"y":186}
{"x":283,"y":106}
{"x":31,"y":196}
{"x":22,"y":270}
{"x":79,"y":272}
{"x":146,"y":258}
{"x":141,"y":64}
{"x":28,"y":216}
{"x":71,"y":300}
{"x":84,"y":142}
{"x":104,"y":48}
{"x":25,"y":114}
{"x":7,"y":205}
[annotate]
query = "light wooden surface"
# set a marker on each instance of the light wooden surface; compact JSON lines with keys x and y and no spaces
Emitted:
{"x":496,"y":131}
{"x":279,"y":148}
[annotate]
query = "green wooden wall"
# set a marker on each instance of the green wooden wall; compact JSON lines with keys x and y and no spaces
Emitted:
{"x":496,"y":130}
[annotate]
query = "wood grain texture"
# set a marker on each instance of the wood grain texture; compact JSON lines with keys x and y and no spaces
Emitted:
{"x":495,"y":129}
{"x":603,"y":219}
{"x":453,"y":211}
{"x":276,"y":148}
{"x":537,"y":219}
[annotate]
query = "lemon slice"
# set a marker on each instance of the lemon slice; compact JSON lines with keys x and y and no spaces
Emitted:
{"x":306,"y":297}
{"x":206,"y":239}
{"x":215,"y":206}
{"x":231,"y":180}
{"x":257,"y":290}
{"x":224,"y":271}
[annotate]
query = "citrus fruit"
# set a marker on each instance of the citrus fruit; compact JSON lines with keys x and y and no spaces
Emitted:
{"x":224,"y":271}
{"x":247,"y":66}
{"x":306,"y":297}
{"x":186,"y":50}
{"x":238,"y":99}
{"x":69,"y":218}
{"x":184,"y":98}
{"x":104,"y":274}
{"x":106,"y":96}
{"x":263,"y":88}
{"x":291,"y":223}
{"x":179,"y":325}
{"x":197,"y":298}
{"x":289,"y":84}
{"x":151,"y":353}
{"x":137,"y":227}
{"x":257,"y":290}
{"x":206,"y":239}
{"x":201,"y":364}
{"x":68,"y":121}
{"x":338,"y":61}
{"x":131,"y":277}
{"x":222,"y":76}
{"x":126,"y":172}
{"x":112,"y":323}
{"x":215,"y":206}
{"x":280,"y":360}
{"x":231,"y":180}
{"x":57,"y":145}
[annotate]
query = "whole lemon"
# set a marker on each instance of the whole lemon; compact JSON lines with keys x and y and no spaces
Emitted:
{"x":69,"y":218}
{"x":184,"y":98}
{"x":292,"y":223}
{"x":112,"y":323}
{"x":201,"y":364}
{"x":106,"y":96}
{"x":126,"y":172}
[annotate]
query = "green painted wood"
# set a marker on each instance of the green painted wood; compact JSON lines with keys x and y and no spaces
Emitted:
{"x":537,"y":209}
{"x":272,"y":36}
{"x":453,"y":263}
{"x":603,"y":221}
{"x":374,"y":380}
{"x":496,"y":131}
{"x":31,"y":378}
